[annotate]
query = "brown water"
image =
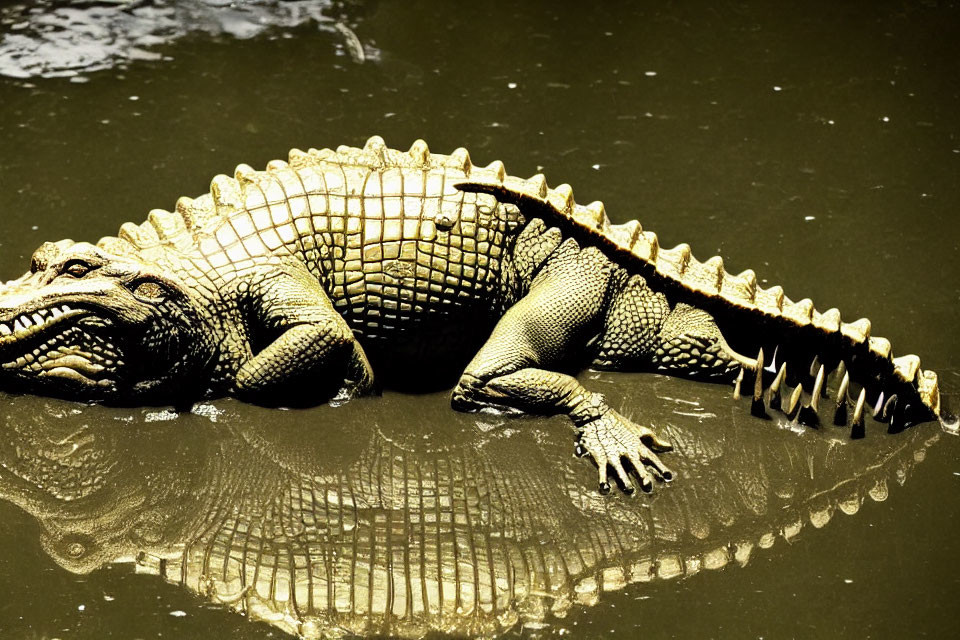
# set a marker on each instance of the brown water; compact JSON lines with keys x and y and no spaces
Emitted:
{"x":818,"y":145}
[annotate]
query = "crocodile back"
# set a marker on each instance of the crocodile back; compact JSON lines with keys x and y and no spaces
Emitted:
{"x":402,"y":239}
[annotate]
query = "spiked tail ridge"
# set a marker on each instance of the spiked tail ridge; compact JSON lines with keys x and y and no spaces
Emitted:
{"x":736,"y":298}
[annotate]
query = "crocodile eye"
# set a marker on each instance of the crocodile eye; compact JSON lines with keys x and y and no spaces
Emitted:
{"x":76,"y":268}
{"x":150,"y":291}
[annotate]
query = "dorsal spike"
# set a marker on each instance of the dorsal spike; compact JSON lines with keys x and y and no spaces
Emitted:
{"x":299,"y":158}
{"x":226,"y":194}
{"x":596,"y":214}
{"x":375,"y":149}
{"x":460,"y":159}
{"x":244,"y":174}
{"x":375,"y":144}
{"x":748,"y":276}
{"x":130,"y":232}
{"x":857,"y":331}
{"x":627,"y":234}
{"x":907,"y":367}
{"x":676,"y":259}
{"x":168,"y":226}
{"x":714,"y":270}
{"x":772,"y":298}
{"x":499,"y":171}
{"x":420,"y":153}
{"x":277,"y":165}
{"x":740,"y":289}
{"x":828,"y":320}
{"x":562,"y":198}
{"x":117,"y":246}
{"x":186,"y":209}
{"x":537,"y":186}
{"x":801,"y":312}
{"x":322,"y":155}
{"x":148,"y":235}
{"x":749,"y":279}
{"x":649,"y":249}
{"x":881,"y":347}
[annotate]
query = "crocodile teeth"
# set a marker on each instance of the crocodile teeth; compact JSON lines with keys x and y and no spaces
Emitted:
{"x":736,"y":388}
{"x":888,"y":408}
{"x":756,"y":407}
{"x":32,"y":322}
{"x":772,"y":367}
{"x":842,"y":370}
{"x":878,"y":407}
{"x":776,"y":401}
{"x":857,"y":430}
{"x":818,"y":389}
{"x":809,"y":415}
{"x":793,"y":404}
{"x":840,"y":414}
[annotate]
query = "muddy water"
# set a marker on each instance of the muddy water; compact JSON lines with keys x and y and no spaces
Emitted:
{"x":819,"y":147}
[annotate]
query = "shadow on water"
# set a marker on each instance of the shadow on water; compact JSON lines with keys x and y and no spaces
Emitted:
{"x":398,"y":517}
{"x":817,"y":144}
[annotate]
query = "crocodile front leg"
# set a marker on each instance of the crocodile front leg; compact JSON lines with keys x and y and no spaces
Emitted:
{"x":561,"y":313}
{"x":310,"y":340}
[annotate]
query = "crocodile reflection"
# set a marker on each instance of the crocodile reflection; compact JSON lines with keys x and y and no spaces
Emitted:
{"x":393,"y":516}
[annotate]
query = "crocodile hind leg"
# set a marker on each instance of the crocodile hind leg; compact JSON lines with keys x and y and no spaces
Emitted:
{"x":516,"y":368}
{"x":642,"y":331}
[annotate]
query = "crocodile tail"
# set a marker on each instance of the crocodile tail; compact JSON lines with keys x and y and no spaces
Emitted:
{"x":783,"y":323}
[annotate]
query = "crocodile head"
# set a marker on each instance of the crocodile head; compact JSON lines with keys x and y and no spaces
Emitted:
{"x":88,"y":323}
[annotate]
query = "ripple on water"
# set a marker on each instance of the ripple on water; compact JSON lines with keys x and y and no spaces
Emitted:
{"x":53,"y":38}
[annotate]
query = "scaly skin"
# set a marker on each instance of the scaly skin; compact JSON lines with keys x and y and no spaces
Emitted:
{"x":296,"y":284}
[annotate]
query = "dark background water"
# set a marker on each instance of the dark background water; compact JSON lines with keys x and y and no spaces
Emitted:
{"x":816,"y":143}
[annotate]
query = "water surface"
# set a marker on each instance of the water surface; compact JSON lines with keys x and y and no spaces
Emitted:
{"x":818,"y":145}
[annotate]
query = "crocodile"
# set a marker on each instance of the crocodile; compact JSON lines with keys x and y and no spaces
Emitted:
{"x":415,"y":522}
{"x":295,"y":284}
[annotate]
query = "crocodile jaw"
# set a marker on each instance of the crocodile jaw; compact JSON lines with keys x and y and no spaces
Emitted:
{"x":60,"y":345}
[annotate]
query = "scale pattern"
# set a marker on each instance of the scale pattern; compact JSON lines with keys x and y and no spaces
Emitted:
{"x":318,"y":275}
{"x":399,"y":237}
{"x":392,"y":246}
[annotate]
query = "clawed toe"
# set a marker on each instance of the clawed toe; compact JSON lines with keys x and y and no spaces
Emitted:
{"x":613,"y":442}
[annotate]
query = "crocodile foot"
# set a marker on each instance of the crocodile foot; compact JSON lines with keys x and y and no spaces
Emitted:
{"x":611,"y":438}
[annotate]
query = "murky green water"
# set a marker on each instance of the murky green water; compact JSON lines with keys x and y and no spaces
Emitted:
{"x":817,"y":145}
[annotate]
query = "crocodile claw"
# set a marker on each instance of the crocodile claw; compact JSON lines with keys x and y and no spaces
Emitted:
{"x":611,"y":438}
